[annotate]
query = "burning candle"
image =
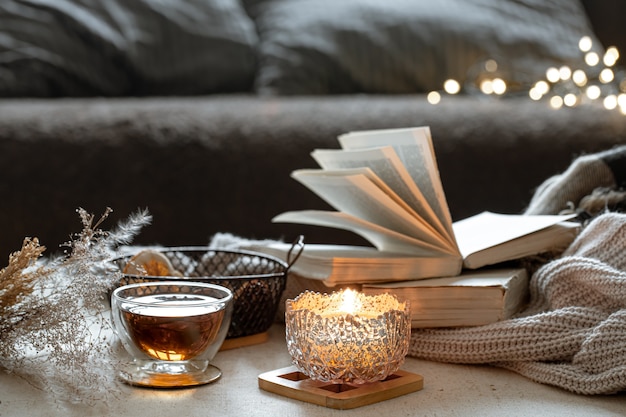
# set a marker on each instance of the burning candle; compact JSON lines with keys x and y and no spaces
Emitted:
{"x":347,"y":336}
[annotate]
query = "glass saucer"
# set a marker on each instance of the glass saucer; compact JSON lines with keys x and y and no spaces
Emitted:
{"x":134,"y":373}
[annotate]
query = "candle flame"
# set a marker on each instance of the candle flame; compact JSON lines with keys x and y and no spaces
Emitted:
{"x":349,"y":302}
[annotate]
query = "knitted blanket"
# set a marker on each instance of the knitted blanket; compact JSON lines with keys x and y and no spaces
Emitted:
{"x":572,"y":334}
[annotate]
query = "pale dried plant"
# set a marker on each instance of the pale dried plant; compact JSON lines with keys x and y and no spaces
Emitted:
{"x":54,"y":313}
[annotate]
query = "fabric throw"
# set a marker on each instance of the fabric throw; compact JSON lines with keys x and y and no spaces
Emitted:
{"x":572,"y":334}
{"x":592,"y":183}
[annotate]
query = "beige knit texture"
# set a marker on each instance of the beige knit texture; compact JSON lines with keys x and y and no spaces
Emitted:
{"x":557,"y":193}
{"x":573,"y":332}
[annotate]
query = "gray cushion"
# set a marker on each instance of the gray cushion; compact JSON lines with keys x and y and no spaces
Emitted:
{"x":401,"y":46}
{"x":121,"y":47}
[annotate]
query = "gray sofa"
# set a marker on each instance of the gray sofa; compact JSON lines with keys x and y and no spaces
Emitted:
{"x":220,"y":161}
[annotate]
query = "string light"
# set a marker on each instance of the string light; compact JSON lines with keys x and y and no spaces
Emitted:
{"x":599,"y":82}
{"x":556,"y":102}
{"x":452,"y":86}
{"x":486,"y":86}
{"x":585,"y":44}
{"x":592,"y":59}
{"x":593,"y":92}
{"x":491,"y":65}
{"x":553,"y":75}
{"x":610,"y":56}
{"x":570,"y":99}
{"x":499,"y":86}
{"x":434,"y":97}
{"x":606,"y":75}
{"x":621,"y":102}
{"x":610,"y":102}
{"x":579,"y":77}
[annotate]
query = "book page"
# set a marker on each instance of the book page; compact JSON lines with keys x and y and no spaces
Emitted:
{"x":445,"y":298}
{"x":475,"y":297}
{"x":358,"y":196}
{"x":488,"y":234}
{"x":356,"y":265}
{"x":369,"y":174}
{"x":487,"y":277}
{"x":383,"y":239}
{"x":386,"y":164}
{"x":415,"y":149}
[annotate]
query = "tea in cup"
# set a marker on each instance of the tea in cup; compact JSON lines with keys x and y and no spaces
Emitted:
{"x":172,"y":330}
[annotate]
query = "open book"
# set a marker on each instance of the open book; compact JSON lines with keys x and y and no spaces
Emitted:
{"x":474,"y":298}
{"x":384,"y":186}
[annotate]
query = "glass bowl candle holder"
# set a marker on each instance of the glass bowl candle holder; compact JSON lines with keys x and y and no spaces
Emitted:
{"x":172,"y":330}
{"x":347,"y":336}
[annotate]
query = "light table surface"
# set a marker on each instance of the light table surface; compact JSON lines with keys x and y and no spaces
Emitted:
{"x":449,"y":390}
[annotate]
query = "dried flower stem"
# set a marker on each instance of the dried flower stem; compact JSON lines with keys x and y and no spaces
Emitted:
{"x":53,"y":315}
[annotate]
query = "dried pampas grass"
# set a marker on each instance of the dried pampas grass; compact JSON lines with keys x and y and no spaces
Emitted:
{"x":54,"y":313}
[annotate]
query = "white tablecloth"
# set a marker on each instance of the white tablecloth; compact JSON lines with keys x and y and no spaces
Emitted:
{"x":449,"y":390}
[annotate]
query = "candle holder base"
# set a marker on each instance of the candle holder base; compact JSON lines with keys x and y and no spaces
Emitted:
{"x":290,"y":382}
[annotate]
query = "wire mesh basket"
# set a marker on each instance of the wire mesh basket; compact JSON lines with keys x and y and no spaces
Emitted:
{"x":256,"y":280}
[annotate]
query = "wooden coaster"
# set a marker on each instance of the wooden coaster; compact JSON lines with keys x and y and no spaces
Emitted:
{"x":243,"y":341}
{"x":289,"y":382}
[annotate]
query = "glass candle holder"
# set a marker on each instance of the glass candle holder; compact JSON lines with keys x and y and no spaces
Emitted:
{"x":347,"y":336}
{"x":172,"y":330}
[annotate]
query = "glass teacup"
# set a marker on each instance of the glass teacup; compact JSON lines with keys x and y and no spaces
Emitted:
{"x":172,"y":330}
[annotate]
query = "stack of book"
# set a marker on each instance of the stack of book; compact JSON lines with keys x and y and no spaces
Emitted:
{"x":384,"y":185}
